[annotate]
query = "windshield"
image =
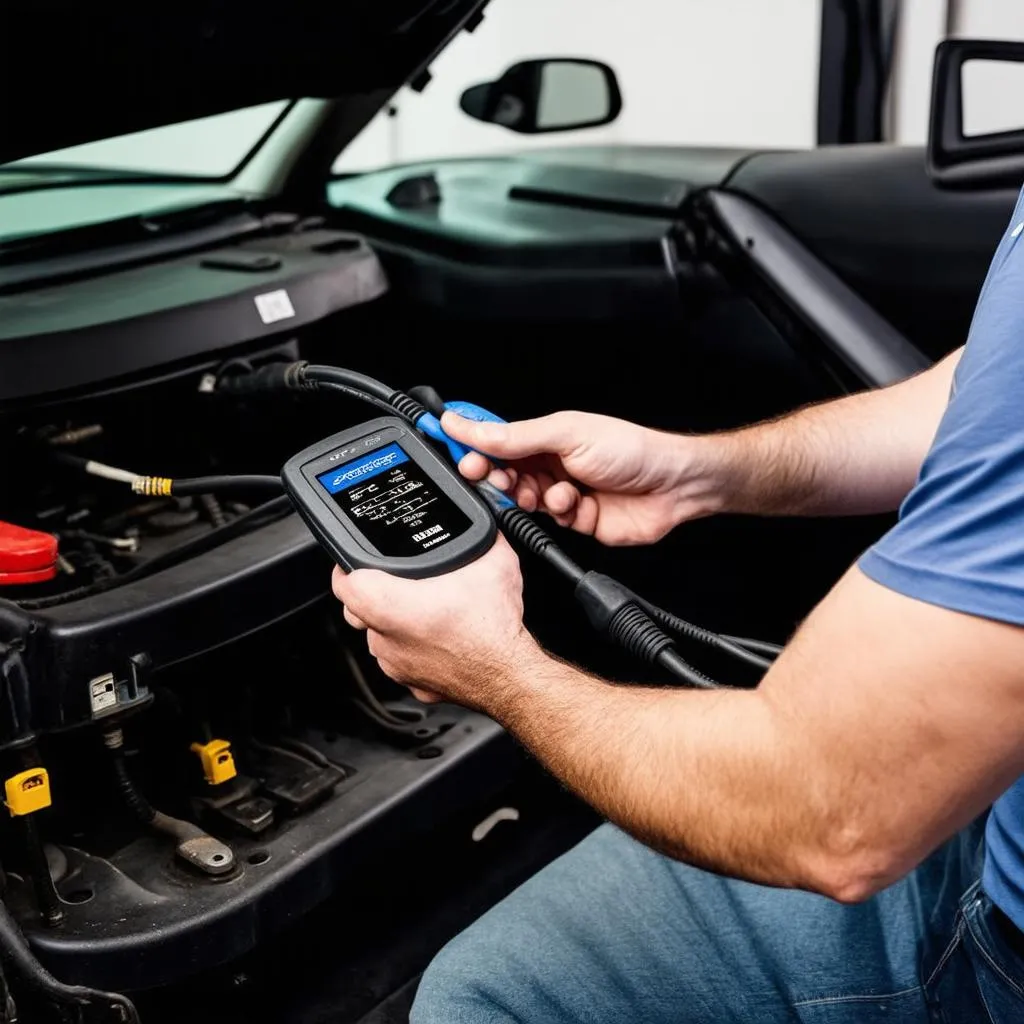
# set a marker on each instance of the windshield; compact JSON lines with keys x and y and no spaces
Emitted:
{"x":207,"y":148}
{"x":150,"y":172}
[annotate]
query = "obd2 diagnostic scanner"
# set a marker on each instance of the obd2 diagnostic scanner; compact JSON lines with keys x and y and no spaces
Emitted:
{"x":377,"y":497}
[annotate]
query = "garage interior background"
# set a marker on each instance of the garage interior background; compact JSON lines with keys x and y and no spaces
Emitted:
{"x":678,"y":61}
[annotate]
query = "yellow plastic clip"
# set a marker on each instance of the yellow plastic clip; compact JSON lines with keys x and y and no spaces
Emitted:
{"x":27,"y":792}
{"x":218,"y":764}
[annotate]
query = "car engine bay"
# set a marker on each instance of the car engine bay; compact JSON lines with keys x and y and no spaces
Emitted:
{"x":198,"y":753}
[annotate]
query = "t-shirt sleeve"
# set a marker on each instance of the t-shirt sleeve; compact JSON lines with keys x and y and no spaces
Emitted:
{"x":959,"y":541}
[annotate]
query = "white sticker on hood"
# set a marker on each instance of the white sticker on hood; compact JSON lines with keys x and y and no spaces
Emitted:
{"x":274,"y":306}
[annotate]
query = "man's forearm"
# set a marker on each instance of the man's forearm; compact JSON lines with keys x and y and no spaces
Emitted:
{"x":856,"y":757}
{"x":705,"y":777}
{"x":855,"y":455}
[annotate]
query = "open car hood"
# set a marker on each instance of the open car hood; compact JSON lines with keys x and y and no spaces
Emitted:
{"x":73,"y":73}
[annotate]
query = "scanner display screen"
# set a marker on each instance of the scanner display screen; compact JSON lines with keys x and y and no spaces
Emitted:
{"x":394,"y":504}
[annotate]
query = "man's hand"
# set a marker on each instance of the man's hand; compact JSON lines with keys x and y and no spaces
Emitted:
{"x":626,"y":484}
{"x":455,"y":637}
{"x":621,"y":483}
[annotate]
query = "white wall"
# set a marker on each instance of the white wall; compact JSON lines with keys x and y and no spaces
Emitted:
{"x":713,"y":72}
{"x":922,"y":27}
{"x":924,"y":24}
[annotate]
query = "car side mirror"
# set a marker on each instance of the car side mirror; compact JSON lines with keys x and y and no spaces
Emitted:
{"x":976,"y":131}
{"x":558,"y":94}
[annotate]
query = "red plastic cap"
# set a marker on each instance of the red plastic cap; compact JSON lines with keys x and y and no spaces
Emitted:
{"x":26,"y":551}
{"x":18,"y":579}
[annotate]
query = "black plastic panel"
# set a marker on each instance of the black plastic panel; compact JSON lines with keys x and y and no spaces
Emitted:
{"x":525,"y":240}
{"x":171,"y":922}
{"x":80,"y":333}
{"x":916,"y":252}
{"x":850,"y":330}
{"x":176,"y":614}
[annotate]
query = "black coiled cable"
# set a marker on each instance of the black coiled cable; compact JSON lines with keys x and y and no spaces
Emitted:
{"x":133,"y":798}
{"x":690,"y":631}
{"x":524,"y":531}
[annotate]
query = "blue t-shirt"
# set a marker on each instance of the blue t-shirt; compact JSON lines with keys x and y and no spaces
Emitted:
{"x":959,"y":542}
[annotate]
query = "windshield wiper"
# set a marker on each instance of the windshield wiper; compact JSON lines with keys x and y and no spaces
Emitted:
{"x":36,"y":177}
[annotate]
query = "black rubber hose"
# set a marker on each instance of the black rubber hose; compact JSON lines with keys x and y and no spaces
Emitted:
{"x":15,"y":950}
{"x":213,"y":509}
{"x":225,"y":484}
{"x":133,"y":798}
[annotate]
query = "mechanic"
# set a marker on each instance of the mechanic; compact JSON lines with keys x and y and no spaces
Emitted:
{"x":819,"y":849}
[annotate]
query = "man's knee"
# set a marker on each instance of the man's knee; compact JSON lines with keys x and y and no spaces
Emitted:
{"x":458,"y":986}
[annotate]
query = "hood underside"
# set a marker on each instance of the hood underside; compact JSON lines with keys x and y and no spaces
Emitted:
{"x":73,"y":73}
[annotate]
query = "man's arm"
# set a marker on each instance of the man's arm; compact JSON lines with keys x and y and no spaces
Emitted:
{"x":852,"y":456}
{"x":886,"y":724}
{"x":626,"y":484}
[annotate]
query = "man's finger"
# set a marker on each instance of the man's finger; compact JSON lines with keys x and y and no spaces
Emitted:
{"x":504,"y":479}
{"x":561,"y":499}
{"x":373,"y":643}
{"x":549,"y":434}
{"x":353,"y":620}
{"x":373,"y":596}
{"x":474,"y":466}
{"x":587,"y":512}
{"x":425,"y":696}
{"x":338,"y":582}
{"x":527,"y":493}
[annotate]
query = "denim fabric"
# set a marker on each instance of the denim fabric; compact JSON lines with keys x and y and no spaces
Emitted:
{"x":613,"y":932}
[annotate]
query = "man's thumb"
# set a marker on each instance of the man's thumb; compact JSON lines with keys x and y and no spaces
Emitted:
{"x":548,"y":434}
{"x":369,"y":594}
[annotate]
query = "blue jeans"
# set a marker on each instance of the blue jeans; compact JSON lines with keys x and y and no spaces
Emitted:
{"x":613,"y":932}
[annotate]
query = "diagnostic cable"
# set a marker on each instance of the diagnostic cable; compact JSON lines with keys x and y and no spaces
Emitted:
{"x":354,"y":488}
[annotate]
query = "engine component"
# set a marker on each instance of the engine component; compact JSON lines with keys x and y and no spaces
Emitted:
{"x":26,"y":556}
{"x":194,"y":846}
{"x":238,"y":805}
{"x":293,"y":780}
{"x":26,"y":793}
{"x":215,"y":757}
